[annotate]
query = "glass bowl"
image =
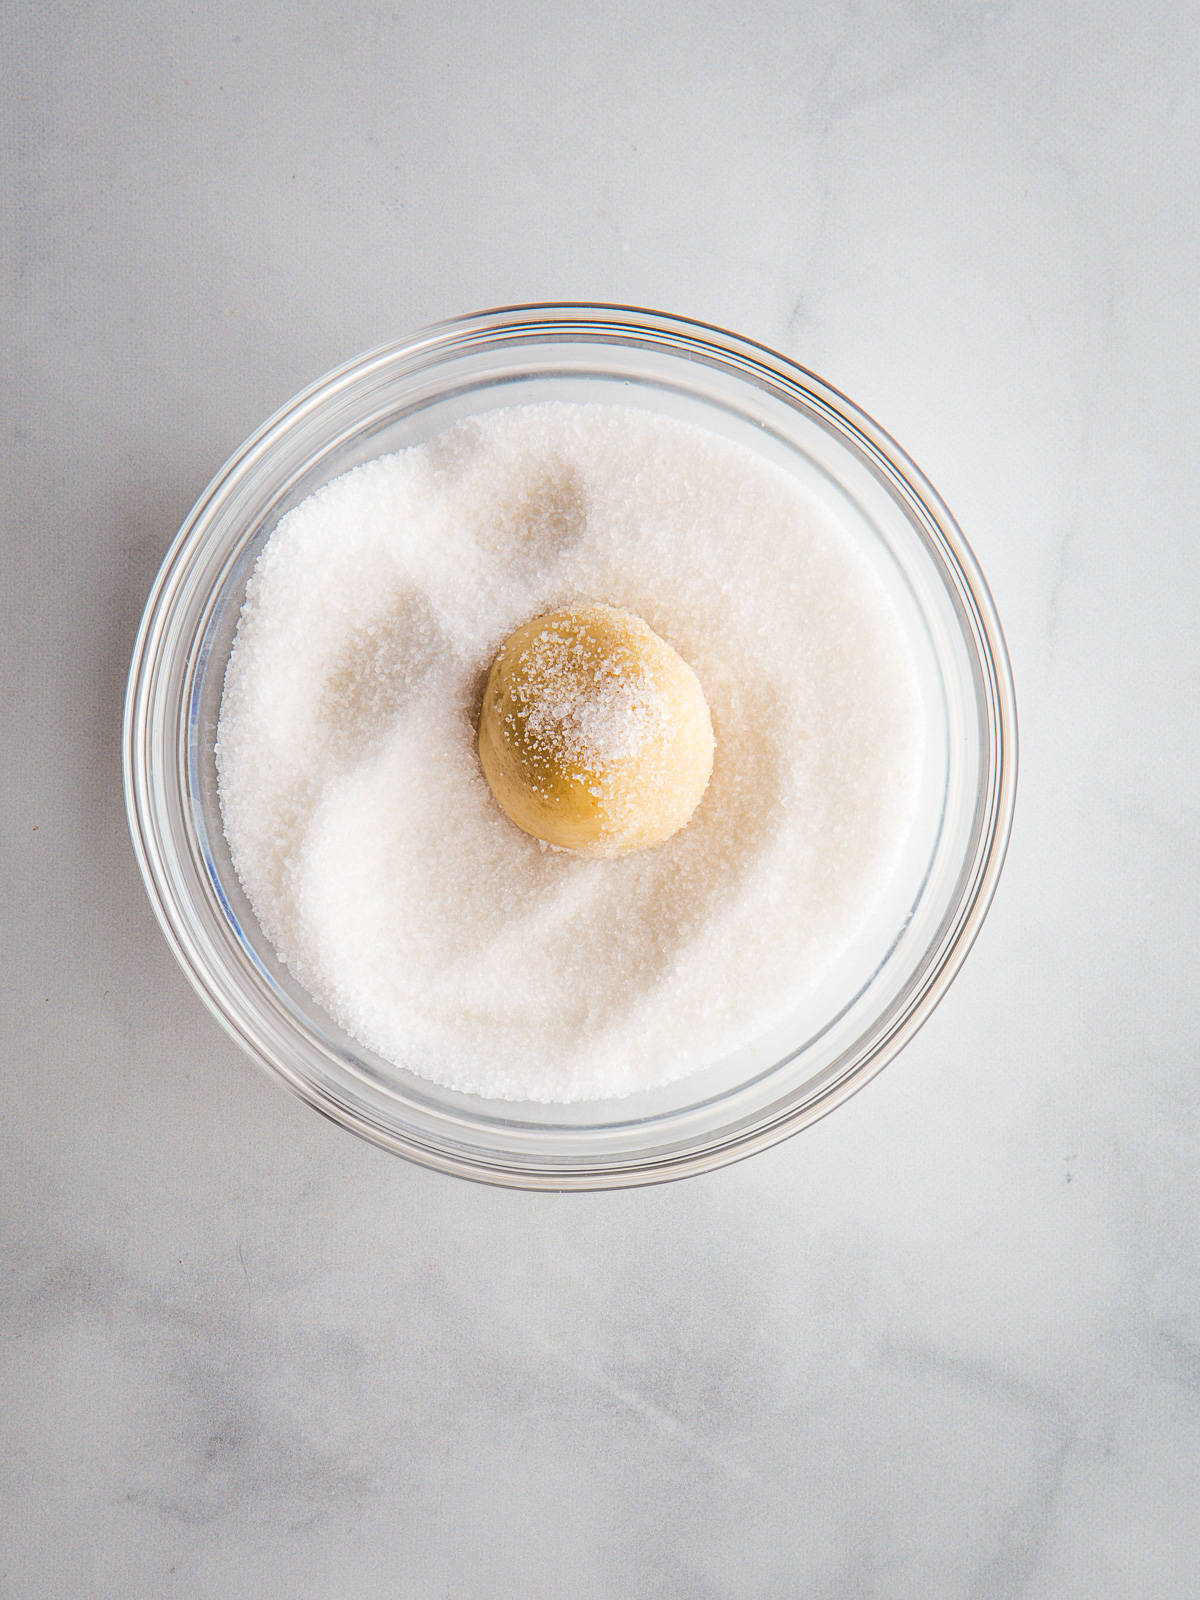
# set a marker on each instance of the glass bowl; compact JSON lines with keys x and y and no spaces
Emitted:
{"x":873,"y":999}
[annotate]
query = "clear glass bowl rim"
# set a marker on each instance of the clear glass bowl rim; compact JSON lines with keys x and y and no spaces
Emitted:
{"x":934,"y":523}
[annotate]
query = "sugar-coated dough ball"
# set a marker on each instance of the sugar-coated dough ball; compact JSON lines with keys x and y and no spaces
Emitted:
{"x":594,"y":734}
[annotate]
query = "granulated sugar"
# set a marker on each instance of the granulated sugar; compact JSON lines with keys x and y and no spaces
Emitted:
{"x":377,"y":861}
{"x":592,"y":731}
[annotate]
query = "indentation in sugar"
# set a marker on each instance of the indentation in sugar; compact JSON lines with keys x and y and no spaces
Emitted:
{"x":380,"y":665}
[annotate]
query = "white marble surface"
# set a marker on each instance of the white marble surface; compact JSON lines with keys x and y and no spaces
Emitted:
{"x":945,"y":1344}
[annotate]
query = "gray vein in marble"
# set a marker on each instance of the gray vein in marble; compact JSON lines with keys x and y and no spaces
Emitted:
{"x":1028,"y":1527}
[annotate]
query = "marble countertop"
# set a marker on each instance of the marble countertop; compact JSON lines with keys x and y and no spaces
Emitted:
{"x":947,"y":1342}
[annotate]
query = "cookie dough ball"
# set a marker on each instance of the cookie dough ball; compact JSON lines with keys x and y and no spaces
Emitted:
{"x":594,"y":734}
